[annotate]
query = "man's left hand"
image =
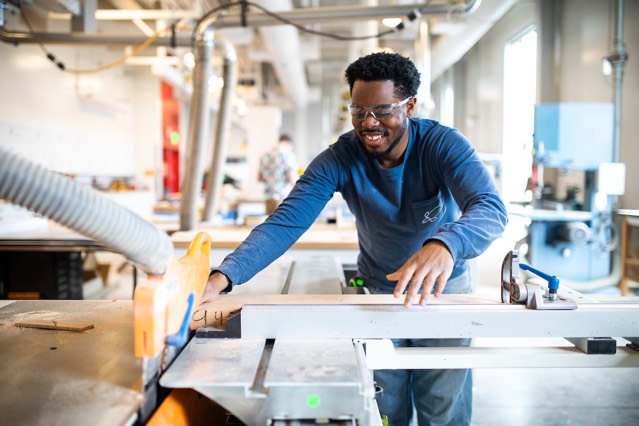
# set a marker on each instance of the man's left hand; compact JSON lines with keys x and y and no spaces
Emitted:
{"x":432,"y":264}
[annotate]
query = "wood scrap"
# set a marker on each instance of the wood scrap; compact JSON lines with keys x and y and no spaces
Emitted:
{"x":55,"y":325}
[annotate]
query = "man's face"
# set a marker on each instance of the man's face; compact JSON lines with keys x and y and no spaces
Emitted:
{"x":383,"y":138}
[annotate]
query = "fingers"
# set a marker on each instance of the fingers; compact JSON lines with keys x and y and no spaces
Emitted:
{"x":209,"y":294}
{"x":442,"y":280}
{"x":412,"y":283}
{"x":431,"y":265}
{"x":410,"y":280}
{"x":216,"y":283}
{"x":426,"y":292}
{"x":416,"y":284}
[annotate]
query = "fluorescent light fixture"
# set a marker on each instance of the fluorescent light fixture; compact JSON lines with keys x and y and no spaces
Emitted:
{"x":391,"y":22}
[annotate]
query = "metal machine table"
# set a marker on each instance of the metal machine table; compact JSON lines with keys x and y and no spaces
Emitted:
{"x":53,"y":377}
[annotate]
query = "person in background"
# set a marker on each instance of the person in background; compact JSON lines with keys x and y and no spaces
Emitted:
{"x":278,"y":171}
{"x":424,"y":203}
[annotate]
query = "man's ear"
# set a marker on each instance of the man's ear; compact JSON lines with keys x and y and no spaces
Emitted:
{"x":410,"y":107}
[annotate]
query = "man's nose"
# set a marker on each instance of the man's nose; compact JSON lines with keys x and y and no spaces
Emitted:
{"x":370,"y":114}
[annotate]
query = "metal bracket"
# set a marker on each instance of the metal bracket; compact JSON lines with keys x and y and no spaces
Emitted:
{"x":513,"y":290}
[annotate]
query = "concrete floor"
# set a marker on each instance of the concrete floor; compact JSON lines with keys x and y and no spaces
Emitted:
{"x":522,"y":397}
{"x":554,"y":397}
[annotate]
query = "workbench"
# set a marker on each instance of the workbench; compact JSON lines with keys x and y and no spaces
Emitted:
{"x":629,"y":249}
{"x":320,"y":239}
{"x":53,"y":238}
{"x":46,"y":262}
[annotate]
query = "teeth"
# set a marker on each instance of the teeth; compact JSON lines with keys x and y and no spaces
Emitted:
{"x":373,"y":137}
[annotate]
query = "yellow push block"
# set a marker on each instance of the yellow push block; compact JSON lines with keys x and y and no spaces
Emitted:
{"x":160,"y":303}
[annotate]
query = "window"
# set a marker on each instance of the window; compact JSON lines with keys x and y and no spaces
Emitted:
{"x":520,"y":88}
{"x":448,"y":105}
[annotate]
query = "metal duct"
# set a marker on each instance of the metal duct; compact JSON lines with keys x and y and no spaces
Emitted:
{"x":446,"y":51}
{"x":198,"y":130}
{"x":284,"y":47}
{"x":231,"y":20}
{"x":618,"y":59}
{"x":218,"y":160}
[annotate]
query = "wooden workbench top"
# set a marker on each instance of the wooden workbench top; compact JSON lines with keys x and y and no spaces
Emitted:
{"x":318,"y":236}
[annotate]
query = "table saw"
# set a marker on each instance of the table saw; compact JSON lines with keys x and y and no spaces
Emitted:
{"x":278,"y":354}
{"x":280,"y":358}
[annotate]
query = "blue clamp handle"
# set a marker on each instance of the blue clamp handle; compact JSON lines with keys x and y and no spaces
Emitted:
{"x":179,"y":339}
{"x":553,"y":281}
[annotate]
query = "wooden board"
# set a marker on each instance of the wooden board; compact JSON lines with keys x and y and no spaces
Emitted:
{"x":55,"y":325}
{"x":216,"y":313}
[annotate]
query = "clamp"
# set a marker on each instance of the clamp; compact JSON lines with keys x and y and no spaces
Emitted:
{"x":514,"y":290}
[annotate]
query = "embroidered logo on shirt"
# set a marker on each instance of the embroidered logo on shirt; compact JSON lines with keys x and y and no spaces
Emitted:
{"x":432,"y":215}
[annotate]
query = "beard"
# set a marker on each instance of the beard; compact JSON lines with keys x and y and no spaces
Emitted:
{"x":381,"y":155}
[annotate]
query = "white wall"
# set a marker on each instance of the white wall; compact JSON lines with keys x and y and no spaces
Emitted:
{"x":71,"y":124}
{"x":587,"y":35}
{"x":147,"y":130}
{"x":98,"y":124}
{"x":586,"y":38}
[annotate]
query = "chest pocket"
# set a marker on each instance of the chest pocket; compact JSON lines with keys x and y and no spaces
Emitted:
{"x":428,"y":213}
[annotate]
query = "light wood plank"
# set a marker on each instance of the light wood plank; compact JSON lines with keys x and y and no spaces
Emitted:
{"x":55,"y":325}
{"x":216,"y":313}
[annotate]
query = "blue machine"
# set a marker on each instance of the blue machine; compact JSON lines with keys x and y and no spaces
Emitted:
{"x":571,"y":230}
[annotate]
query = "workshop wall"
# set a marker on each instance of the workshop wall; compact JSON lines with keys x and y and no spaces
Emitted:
{"x":587,"y":37}
{"x":75,"y":124}
{"x":586,"y":33}
{"x":109,"y":123}
{"x":105,"y":124}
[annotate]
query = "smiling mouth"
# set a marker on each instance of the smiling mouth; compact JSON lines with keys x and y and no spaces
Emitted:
{"x":372,"y":138}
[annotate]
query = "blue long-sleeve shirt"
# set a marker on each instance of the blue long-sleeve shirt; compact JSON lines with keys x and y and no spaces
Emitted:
{"x":440,"y":191}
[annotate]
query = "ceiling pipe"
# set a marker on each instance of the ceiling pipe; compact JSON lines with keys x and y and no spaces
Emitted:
{"x":203,"y":45}
{"x":282,"y":43}
{"x":448,"y":50}
{"x":285,"y":50}
{"x":234,"y":20}
{"x":618,"y":59}
{"x":215,"y":179}
{"x":197,"y":131}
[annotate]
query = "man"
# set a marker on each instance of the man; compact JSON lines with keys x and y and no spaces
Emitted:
{"x":424,"y":204}
{"x":278,"y":171}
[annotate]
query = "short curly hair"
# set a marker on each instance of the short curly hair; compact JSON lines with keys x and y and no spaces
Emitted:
{"x":383,"y":66}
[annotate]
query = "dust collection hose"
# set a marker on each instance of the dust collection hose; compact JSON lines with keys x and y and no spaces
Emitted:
{"x":84,"y":210}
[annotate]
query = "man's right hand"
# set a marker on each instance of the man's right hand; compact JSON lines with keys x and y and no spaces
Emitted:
{"x":215,"y":284}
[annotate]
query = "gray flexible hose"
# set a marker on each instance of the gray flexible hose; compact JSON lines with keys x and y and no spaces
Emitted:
{"x":84,"y":210}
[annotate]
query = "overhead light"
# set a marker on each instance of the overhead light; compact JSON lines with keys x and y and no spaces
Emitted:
{"x":391,"y":22}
